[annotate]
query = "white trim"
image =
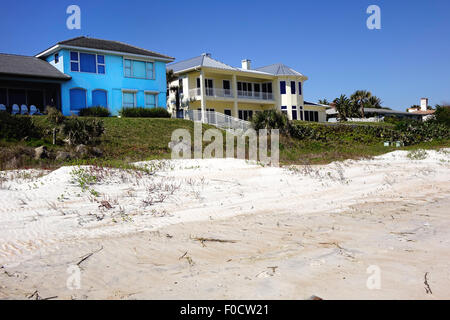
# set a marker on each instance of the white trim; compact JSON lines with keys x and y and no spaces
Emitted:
{"x":117,"y":53}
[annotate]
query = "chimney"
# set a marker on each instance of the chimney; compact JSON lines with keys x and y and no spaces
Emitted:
{"x":205,"y":54}
{"x":423,"y":104}
{"x":246,"y":64}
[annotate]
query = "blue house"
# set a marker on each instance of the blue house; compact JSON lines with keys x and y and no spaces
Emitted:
{"x":107,"y":73}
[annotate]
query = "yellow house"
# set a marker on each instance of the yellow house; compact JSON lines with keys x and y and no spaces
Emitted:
{"x":206,"y":84}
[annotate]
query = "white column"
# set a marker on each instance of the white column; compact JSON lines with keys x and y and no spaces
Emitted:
{"x":235,"y":96}
{"x":202,"y":96}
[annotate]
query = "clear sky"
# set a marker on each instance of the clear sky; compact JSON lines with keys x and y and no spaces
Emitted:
{"x":327,"y":40}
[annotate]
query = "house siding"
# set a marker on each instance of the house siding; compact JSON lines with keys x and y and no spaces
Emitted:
{"x":113,"y":82}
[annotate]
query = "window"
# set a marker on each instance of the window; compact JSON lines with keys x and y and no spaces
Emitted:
{"x":311,"y":116}
{"x":56,"y":57}
{"x":245,"y":114}
{"x":87,"y":62}
{"x":77,"y":99}
{"x":150,"y":100}
{"x":227,"y":87}
{"x":284,"y":109}
{"x":283,"y":87}
{"x":129,"y":99}
{"x":227,"y":112}
{"x":300,"y":88}
{"x":99,"y":98}
{"x":74,"y":61}
{"x":138,"y":69}
{"x":294,"y":111}
{"x":257,"y":89}
{"x":292,"y":87}
{"x":100,"y":64}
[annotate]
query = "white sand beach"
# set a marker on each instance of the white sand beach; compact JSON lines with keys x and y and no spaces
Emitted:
{"x":229,"y":229}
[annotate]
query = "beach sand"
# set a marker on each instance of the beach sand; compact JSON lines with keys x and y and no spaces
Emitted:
{"x":268,"y":233}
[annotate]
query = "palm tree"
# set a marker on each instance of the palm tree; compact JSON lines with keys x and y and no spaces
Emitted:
{"x":323,"y":101}
{"x":361,"y":98}
{"x":343,"y":107}
{"x":374,"y":102}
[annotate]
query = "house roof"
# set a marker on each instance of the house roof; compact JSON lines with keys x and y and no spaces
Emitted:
{"x":279,"y":69}
{"x":423,"y":112}
{"x":315,"y":104}
{"x":201,"y":61}
{"x":16,"y":65}
{"x":107,"y":45}
{"x":205,"y":60}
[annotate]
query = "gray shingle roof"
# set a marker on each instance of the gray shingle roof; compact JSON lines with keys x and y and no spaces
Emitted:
{"x":279,"y":69}
{"x":200,"y":61}
{"x":17,"y":65}
{"x":109,"y":45}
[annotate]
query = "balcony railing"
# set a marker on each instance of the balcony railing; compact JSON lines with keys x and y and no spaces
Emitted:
{"x":228,"y":93}
{"x":212,"y":92}
{"x":218,"y":119}
{"x":255,"y":95}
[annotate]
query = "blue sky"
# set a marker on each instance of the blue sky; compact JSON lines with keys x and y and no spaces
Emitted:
{"x":326,"y":40}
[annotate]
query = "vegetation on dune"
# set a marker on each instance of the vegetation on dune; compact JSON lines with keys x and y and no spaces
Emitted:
{"x":125,"y":140}
{"x":144,"y":113}
{"x":97,"y":111}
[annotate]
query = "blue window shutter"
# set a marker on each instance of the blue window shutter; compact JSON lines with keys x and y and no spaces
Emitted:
{"x":99,"y":98}
{"x":88,"y":63}
{"x":292,"y":87}
{"x":283,"y":87}
{"x":77,"y":99}
{"x":300,"y":88}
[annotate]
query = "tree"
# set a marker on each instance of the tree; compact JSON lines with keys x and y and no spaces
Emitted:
{"x":360,"y":98}
{"x":442,"y":114}
{"x":374,"y":102}
{"x":323,"y":101}
{"x":343,"y":107}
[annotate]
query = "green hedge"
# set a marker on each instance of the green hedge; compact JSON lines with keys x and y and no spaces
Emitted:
{"x":17,"y":127}
{"x":144,"y":113}
{"x":409,"y":132}
{"x":97,"y":111}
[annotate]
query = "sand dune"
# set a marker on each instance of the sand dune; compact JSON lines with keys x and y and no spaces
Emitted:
{"x":296,"y":231}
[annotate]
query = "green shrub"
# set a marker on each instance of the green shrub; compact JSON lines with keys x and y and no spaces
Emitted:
{"x":97,"y":111}
{"x":271,"y":119}
{"x":82,"y":131}
{"x":442,"y":115}
{"x":54,"y":116}
{"x":140,"y":112}
{"x":17,"y":127}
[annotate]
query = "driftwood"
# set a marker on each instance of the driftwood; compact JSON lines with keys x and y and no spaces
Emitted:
{"x":427,"y":286}
{"x":203,"y":240}
{"x":84,"y":258}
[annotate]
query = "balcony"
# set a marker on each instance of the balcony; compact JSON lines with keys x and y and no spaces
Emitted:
{"x":228,"y":93}
{"x":255,"y":95}
{"x":212,"y":92}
